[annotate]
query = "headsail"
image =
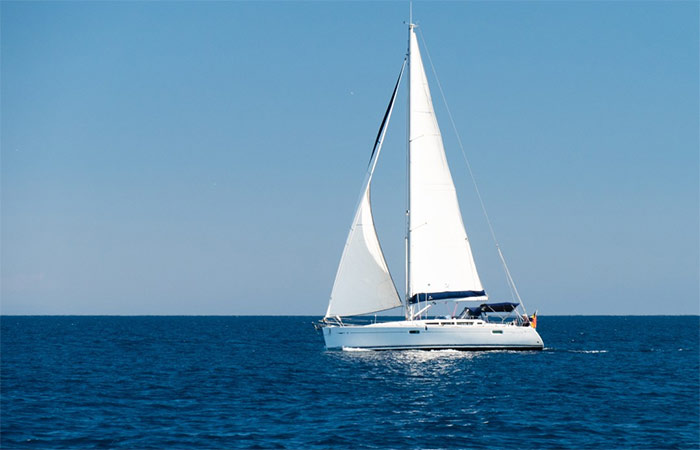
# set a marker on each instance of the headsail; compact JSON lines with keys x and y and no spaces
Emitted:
{"x":363,"y":283}
{"x":440,"y":261}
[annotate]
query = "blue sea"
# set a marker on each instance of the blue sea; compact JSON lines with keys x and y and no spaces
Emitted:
{"x":268,"y":382}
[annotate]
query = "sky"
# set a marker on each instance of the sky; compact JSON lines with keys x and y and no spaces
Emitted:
{"x":205,"y":157}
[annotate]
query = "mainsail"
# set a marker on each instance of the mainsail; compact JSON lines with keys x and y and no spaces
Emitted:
{"x":363,"y":283}
{"x":440,"y":261}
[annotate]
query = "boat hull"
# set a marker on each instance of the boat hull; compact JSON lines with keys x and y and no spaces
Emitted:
{"x":433,"y":335}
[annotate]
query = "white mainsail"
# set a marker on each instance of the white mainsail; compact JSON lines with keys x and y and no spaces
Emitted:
{"x":440,"y":261}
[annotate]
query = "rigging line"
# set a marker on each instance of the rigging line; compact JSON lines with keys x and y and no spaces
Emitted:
{"x":378,"y":147}
{"x":387,"y":113}
{"x":509,"y":278}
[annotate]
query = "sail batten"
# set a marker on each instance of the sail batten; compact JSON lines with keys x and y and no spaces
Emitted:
{"x":441,"y":259}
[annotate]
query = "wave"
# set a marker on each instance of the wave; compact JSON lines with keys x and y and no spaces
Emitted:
{"x":588,"y":351}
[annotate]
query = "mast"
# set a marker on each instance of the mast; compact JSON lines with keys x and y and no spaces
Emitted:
{"x":407,"y":240}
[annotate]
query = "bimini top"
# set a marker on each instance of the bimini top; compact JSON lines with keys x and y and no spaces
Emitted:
{"x":491,"y":307}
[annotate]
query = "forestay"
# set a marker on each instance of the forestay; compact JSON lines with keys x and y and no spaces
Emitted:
{"x":440,"y":265}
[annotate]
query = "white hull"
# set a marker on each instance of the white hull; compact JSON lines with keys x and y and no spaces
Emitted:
{"x":432,"y":335}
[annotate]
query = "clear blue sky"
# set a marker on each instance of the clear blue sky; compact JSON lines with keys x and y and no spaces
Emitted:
{"x":205,"y":158}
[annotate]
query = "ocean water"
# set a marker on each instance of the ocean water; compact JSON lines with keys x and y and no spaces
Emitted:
{"x":268,"y":382}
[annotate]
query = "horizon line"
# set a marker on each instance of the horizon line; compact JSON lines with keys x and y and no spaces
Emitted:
{"x":316,"y":315}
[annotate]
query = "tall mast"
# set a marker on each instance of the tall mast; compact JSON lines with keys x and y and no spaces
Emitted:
{"x":408,"y":314}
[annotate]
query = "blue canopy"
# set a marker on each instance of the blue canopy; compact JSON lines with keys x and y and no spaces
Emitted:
{"x":498,"y":307}
{"x":476,"y":311}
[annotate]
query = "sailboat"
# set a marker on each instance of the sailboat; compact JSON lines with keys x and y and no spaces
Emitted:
{"x":439,"y":266}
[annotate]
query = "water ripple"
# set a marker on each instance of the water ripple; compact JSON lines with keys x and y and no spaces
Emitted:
{"x":241,"y":382}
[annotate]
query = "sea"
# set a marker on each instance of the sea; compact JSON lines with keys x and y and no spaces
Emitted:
{"x":268,"y":382}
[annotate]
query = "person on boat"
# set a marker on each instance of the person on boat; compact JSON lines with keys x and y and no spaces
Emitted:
{"x":526,"y":320}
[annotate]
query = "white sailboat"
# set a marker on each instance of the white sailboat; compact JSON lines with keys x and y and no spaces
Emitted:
{"x":439,"y":263}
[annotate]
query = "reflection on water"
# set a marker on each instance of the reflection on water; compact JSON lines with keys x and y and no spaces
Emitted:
{"x":409,"y":363}
{"x":403,"y":356}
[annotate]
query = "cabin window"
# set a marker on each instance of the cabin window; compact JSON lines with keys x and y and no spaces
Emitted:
{"x":497,"y":331}
{"x":414,"y":331}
